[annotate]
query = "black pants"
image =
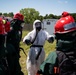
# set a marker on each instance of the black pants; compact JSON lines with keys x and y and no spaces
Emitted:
{"x":13,"y":61}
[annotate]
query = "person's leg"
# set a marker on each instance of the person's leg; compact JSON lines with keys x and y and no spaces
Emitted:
{"x":31,"y":68}
{"x":40,"y":60}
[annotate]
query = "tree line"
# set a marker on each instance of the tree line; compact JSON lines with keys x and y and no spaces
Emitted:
{"x":30,"y":14}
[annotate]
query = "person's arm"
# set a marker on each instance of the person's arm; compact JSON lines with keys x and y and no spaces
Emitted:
{"x":50,"y":38}
{"x":26,"y":39}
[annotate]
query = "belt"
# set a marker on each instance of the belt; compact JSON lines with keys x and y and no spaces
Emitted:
{"x":39,"y":51}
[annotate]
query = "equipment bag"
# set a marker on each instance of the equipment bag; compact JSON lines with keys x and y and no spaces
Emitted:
{"x":50,"y":65}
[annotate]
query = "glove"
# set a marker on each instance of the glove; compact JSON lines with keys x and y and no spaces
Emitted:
{"x":40,"y":71}
{"x":28,"y":42}
{"x":51,"y":40}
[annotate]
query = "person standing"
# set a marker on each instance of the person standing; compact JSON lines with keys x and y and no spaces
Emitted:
{"x":65,"y":32}
{"x":36,"y":38}
{"x":13,"y":39}
{"x":3,"y":52}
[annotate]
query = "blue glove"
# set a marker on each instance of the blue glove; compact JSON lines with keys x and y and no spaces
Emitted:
{"x":28,"y":42}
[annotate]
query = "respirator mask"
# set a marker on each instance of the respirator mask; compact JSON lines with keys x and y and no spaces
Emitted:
{"x":38,"y":26}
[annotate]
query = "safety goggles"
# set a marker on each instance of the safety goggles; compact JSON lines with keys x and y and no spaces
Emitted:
{"x":38,"y":24}
{"x":70,"y":26}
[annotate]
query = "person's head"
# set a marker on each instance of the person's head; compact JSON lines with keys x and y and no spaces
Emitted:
{"x":37,"y":25}
{"x":18,"y":16}
{"x":2,"y":31}
{"x":18,"y":21}
{"x":6,"y":22}
{"x":7,"y":26}
{"x":65,"y":27}
{"x":2,"y":27}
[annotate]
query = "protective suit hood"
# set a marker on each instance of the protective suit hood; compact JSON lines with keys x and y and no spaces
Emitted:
{"x":34,"y":27}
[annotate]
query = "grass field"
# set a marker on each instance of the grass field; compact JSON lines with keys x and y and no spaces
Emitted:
{"x":48,"y":48}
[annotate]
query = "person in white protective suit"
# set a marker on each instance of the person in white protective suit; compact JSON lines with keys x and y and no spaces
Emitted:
{"x":36,"y":55}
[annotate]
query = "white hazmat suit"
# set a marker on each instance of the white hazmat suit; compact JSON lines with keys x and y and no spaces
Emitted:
{"x":32,"y":63}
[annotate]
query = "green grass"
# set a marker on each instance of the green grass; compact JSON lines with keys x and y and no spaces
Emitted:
{"x":48,"y":48}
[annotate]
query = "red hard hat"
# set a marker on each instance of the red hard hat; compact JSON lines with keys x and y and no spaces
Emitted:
{"x":64,"y":14}
{"x":2,"y":28}
{"x":19,"y":16}
{"x":65,"y":24}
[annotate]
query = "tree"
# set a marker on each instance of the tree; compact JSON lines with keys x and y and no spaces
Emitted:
{"x":51,"y":16}
{"x":0,"y":13}
{"x":30,"y":14}
{"x":46,"y":16}
{"x":74,"y":15}
{"x":10,"y":14}
{"x":5,"y":14}
{"x":41,"y":18}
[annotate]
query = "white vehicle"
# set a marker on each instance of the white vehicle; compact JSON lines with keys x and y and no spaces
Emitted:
{"x":48,"y":25}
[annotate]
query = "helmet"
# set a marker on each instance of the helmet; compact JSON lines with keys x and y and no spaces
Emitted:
{"x":37,"y":23}
{"x":65,"y":24}
{"x":19,"y":16}
{"x":64,"y":14}
{"x":2,"y":28}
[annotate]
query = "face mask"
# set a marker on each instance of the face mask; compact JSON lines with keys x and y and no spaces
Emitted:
{"x":66,"y":41}
{"x":66,"y":45}
{"x":38,"y":26}
{"x":22,"y":25}
{"x":17,"y":25}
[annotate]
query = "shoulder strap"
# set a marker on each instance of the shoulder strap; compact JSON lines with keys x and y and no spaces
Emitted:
{"x":20,"y":34}
{"x":68,"y":58}
{"x":34,"y":37}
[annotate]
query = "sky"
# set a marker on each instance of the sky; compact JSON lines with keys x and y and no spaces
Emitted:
{"x":44,"y":7}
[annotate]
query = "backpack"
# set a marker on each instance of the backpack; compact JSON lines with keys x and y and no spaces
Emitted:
{"x":67,"y":62}
{"x":59,"y":63}
{"x":50,"y":65}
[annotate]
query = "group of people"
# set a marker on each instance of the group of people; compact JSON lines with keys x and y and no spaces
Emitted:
{"x":65,"y":36}
{"x":11,"y":35}
{"x":62,"y":61}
